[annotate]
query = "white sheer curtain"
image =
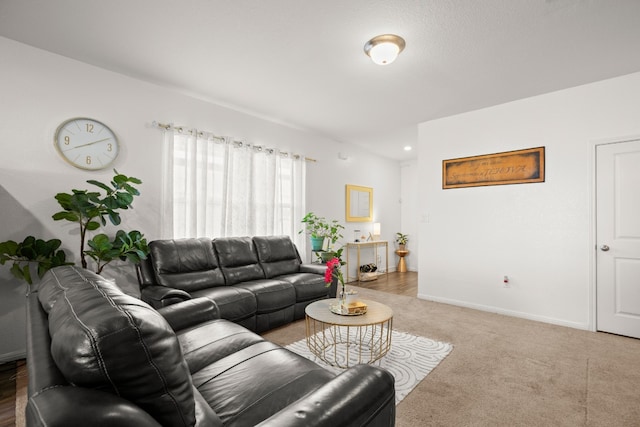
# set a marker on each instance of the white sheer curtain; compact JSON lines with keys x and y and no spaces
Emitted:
{"x":216,"y":187}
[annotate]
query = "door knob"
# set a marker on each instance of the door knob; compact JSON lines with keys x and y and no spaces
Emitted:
{"x":604,"y":248}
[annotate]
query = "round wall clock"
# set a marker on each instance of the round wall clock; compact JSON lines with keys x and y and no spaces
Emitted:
{"x":86,"y":143}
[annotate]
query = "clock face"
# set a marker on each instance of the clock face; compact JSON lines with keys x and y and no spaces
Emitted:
{"x":86,"y":143}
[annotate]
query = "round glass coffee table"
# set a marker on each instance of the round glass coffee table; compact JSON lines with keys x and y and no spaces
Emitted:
{"x":345,"y":340}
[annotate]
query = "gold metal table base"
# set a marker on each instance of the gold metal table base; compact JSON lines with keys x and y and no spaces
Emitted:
{"x":402,"y":265}
{"x":344,"y":341}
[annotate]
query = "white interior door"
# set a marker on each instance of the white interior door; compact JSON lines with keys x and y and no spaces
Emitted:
{"x":618,"y":238}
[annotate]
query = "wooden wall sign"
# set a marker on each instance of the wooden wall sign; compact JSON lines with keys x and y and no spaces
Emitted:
{"x":510,"y":167}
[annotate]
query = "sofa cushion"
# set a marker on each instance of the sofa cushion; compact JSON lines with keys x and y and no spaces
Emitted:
{"x":308,"y":286}
{"x":234,"y":303}
{"x":187,"y":264}
{"x":241,"y":397}
{"x":271,"y":295}
{"x":104,"y":339}
{"x":277,"y":255}
{"x":238,"y":259}
{"x":209,"y":342}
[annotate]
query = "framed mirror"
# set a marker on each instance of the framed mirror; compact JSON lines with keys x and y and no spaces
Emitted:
{"x":359,"y":204}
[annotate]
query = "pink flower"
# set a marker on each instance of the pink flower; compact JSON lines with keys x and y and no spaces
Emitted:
{"x":333,"y":262}
{"x":333,"y":268}
{"x":328,"y":274}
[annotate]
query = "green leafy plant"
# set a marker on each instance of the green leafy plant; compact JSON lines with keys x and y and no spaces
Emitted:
{"x":402,"y":239}
{"x":130,"y":246}
{"x":317,"y":226}
{"x":43,"y":254}
{"x":320,"y":227}
{"x":91,"y":209}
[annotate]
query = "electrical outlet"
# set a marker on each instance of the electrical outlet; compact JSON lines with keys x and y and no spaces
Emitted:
{"x":505,"y":282}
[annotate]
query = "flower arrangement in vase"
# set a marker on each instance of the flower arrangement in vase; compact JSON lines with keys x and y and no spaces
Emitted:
{"x":334,"y":271}
{"x":345,"y":306}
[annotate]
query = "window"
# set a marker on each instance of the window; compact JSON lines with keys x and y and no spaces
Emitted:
{"x":218,"y":187}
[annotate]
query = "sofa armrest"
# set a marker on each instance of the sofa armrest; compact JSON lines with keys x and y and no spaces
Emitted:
{"x":313,"y":268}
{"x":190,"y":313}
{"x":161,"y":296}
{"x":89,"y":407}
{"x":361,"y":396}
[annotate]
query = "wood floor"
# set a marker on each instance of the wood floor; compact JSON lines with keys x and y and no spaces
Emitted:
{"x":396,"y":283}
{"x":8,"y":394}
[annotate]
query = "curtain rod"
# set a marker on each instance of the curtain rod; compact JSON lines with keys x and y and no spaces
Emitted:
{"x":166,"y":126}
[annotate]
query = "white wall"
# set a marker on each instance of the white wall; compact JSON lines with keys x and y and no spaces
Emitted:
{"x":410,"y":202}
{"x":39,"y":90}
{"x":537,"y":234}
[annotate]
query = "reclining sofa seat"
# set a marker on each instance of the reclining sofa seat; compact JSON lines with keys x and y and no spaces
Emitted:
{"x":258,"y":282}
{"x":181,"y":269}
{"x":97,"y":356}
{"x":280,"y":259}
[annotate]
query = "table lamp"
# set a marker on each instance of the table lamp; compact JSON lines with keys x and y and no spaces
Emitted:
{"x":376,"y":231}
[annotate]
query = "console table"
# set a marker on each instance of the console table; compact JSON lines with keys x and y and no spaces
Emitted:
{"x":375,"y":244}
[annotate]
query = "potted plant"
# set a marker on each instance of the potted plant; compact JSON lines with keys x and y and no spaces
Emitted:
{"x":401,"y":240}
{"x":131,"y":246}
{"x":42,"y":255}
{"x":90,"y":210}
{"x":320,"y":230}
{"x":333,"y":235}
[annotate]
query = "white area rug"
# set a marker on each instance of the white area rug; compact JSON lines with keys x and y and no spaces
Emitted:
{"x":410,"y":359}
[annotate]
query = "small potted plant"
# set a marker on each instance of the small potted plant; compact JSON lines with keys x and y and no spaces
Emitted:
{"x":401,"y":240}
{"x":320,"y":230}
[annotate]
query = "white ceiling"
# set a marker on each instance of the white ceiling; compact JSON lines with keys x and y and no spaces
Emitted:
{"x":301,"y":62}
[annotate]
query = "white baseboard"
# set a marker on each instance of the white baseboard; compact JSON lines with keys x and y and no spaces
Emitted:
{"x":394,"y":269}
{"x":512,"y":313}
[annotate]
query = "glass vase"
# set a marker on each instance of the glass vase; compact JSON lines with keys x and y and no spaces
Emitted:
{"x":343,"y":298}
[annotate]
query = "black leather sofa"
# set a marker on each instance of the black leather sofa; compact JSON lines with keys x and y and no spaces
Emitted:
{"x":99,"y":357}
{"x":258,"y":282}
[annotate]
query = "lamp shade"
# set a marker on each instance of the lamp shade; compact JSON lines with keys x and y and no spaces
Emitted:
{"x":384,"y":49}
{"x":376,"y":231}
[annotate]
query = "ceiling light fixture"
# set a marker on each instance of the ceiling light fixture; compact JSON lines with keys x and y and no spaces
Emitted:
{"x":384,"y":49}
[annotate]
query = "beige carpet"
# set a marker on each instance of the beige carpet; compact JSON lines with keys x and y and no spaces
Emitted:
{"x":507,"y":371}
{"x":409,"y":360}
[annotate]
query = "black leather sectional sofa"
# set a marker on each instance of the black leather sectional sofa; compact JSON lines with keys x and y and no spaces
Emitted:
{"x":258,"y":282}
{"x":99,"y":357}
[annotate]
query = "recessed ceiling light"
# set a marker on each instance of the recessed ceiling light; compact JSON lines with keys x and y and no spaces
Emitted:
{"x":407,"y":148}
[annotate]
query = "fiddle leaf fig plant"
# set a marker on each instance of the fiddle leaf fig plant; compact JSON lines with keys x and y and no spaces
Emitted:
{"x":91,"y":209}
{"x":130,"y":246}
{"x":43,"y":254}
